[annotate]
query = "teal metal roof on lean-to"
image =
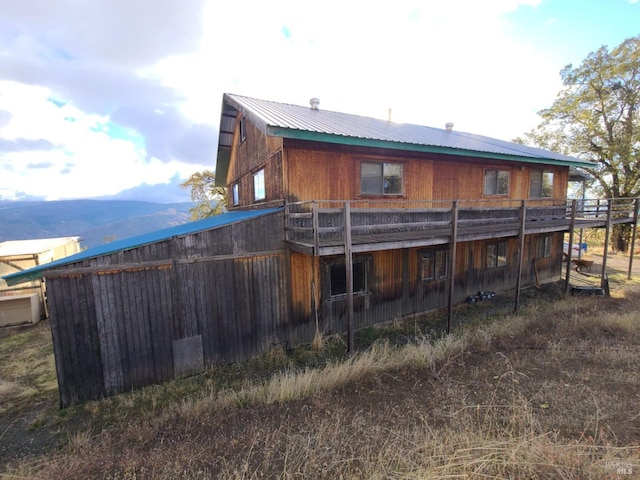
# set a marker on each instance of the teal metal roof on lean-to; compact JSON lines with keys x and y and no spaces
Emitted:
{"x":305,"y":123}
{"x":137,"y":241}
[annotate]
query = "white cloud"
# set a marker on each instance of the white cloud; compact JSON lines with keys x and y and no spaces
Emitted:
{"x":107,"y":95}
{"x":431,"y":62}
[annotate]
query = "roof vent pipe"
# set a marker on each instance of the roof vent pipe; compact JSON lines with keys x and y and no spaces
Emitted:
{"x":314,"y":103}
{"x":449,"y":126}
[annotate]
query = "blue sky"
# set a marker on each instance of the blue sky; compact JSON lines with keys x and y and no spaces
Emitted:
{"x":121,"y":99}
{"x":570,"y":29}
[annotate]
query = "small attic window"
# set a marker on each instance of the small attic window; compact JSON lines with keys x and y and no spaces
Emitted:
{"x":243,"y":129}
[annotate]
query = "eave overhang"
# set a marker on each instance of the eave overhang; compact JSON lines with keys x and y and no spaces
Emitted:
{"x":412,"y":147}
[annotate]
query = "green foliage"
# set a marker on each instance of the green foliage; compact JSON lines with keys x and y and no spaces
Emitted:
{"x":209,"y":199}
{"x":596,"y":117}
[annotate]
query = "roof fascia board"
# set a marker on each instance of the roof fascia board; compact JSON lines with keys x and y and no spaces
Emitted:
{"x":254,"y":117}
{"x":366,"y":142}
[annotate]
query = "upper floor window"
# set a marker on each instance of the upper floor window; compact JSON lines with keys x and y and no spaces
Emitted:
{"x":243,"y":129}
{"x":496,"y":255}
{"x":381,"y":178}
{"x":496,"y":182}
{"x":433,"y":264}
{"x":259,"y":192}
{"x":541,"y":184}
{"x":235,"y":194}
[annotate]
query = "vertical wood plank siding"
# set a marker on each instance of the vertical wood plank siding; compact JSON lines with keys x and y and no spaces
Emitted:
{"x":113,"y":328}
{"x":240,"y":290}
{"x":396,"y":290}
{"x":256,"y":152}
{"x":337,"y":174}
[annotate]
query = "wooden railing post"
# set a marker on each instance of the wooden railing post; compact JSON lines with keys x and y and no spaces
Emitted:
{"x":572,"y":225}
{"x":607,"y":233}
{"x":523,"y":215}
{"x":315,"y":221}
{"x":634,"y":229}
{"x":452,"y":262}
{"x":348,"y":258}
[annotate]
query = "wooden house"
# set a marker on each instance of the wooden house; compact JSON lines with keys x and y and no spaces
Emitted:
{"x":335,"y":222}
{"x":384,"y":220}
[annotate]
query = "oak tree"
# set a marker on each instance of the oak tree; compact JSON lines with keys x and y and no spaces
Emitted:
{"x":596,"y":117}
{"x":208,"y":198}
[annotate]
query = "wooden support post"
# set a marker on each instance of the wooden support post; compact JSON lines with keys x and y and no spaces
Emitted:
{"x":634,"y":229}
{"x":452,"y":262}
{"x":43,"y":291}
{"x":583,"y":209}
{"x":607,"y":233}
{"x":348,"y":259}
{"x":572,"y":225}
{"x":316,"y":227}
{"x":523,"y":215}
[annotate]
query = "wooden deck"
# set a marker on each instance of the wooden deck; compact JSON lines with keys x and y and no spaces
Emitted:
{"x":317,"y":228}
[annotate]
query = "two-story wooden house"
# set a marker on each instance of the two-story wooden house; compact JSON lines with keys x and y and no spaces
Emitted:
{"x":385,"y":220}
{"x":336,"y":222}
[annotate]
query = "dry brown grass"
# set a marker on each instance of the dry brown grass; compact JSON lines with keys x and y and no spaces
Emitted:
{"x":27,"y":367}
{"x":549,"y":393}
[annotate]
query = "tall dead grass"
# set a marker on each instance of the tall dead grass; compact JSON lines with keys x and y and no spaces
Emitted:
{"x":502,"y":415}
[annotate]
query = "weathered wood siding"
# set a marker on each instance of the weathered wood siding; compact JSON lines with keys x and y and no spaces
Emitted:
{"x":258,"y":151}
{"x":116,"y":319}
{"x":336,"y":174}
{"x":395,"y":288}
{"x":305,"y":296}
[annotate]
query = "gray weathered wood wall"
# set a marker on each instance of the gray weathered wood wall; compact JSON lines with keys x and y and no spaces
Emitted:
{"x":144,"y":315}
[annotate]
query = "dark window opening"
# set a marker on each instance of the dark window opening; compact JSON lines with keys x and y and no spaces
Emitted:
{"x":496,"y":255}
{"x":243,"y":130}
{"x":433,"y":264}
{"x":339,"y":278}
{"x":543,"y":246}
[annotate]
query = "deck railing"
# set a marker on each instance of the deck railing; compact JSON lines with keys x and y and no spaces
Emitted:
{"x":315,"y":222}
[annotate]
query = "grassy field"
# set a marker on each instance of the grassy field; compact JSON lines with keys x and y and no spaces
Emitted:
{"x":552,"y":392}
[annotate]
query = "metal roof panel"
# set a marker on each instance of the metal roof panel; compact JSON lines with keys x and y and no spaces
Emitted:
{"x":137,"y":241}
{"x":289,"y":119}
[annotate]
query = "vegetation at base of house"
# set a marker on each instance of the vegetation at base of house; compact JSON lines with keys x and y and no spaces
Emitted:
{"x":548,"y":393}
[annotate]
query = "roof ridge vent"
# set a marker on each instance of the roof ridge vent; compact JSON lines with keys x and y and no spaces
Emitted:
{"x":449,"y":126}
{"x":314,"y":102}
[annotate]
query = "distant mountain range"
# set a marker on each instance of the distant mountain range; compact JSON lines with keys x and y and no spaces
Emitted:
{"x":94,"y":221}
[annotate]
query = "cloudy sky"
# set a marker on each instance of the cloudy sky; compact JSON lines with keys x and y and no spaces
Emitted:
{"x":121,"y":99}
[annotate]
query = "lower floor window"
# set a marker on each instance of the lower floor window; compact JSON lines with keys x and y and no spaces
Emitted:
{"x":543,"y":246}
{"x":338,"y":277}
{"x":433,"y":264}
{"x":496,"y":255}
